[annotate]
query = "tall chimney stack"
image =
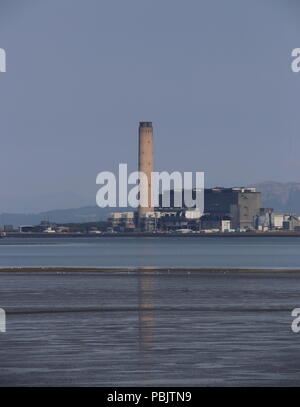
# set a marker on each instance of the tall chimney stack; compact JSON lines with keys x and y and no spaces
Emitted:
{"x":145,"y":164}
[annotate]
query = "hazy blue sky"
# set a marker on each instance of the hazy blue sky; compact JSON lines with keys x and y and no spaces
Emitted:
{"x":214,"y":76}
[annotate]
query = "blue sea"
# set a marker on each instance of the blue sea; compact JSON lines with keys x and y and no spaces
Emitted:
{"x":195,"y":252}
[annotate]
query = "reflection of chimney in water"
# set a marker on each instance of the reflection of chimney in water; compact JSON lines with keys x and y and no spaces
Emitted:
{"x":146,"y":314}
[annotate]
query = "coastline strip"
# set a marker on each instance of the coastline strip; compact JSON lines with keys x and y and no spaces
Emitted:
{"x":132,"y":270}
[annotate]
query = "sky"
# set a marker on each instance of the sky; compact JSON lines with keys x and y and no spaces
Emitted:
{"x":214,"y":77}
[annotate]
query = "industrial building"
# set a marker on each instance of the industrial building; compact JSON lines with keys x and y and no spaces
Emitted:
{"x":265,"y":220}
{"x":122,"y":221}
{"x":291,"y":222}
{"x":241,"y":206}
{"x":216,"y":223}
{"x":225,"y":209}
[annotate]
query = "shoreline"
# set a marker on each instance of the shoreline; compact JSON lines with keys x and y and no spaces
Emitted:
{"x":287,"y":233}
{"x":145,"y":270}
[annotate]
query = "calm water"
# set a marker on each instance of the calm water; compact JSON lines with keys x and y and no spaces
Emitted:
{"x":161,"y":252}
{"x":149,"y":328}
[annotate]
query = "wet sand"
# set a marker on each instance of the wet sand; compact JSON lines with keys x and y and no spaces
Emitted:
{"x":149,"y":328}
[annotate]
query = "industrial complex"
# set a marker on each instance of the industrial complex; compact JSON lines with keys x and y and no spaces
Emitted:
{"x":228,"y":211}
{"x":235,"y":209}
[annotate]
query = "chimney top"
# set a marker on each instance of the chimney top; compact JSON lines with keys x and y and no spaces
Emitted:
{"x":145,"y":124}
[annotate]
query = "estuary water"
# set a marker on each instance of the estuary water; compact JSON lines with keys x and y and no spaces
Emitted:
{"x":190,"y":328}
{"x":245,"y":252}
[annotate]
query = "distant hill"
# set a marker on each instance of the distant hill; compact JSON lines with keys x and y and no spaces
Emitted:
{"x":85,"y":214}
{"x":282,"y":196}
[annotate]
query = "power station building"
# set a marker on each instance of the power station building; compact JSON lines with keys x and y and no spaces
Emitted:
{"x":240,"y":205}
{"x":237,"y":208}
